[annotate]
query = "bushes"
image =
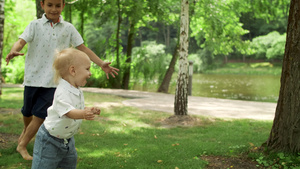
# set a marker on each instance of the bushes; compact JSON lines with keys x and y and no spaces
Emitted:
{"x":270,"y":46}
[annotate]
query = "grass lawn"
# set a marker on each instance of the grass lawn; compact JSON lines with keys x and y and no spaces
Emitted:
{"x":127,"y":137}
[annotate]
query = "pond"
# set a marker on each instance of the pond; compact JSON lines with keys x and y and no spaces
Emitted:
{"x":263,"y":88}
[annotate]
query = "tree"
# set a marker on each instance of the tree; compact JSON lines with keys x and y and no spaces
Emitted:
{"x":285,"y":135}
{"x":39,"y":10}
{"x":2,"y":2}
{"x":181,"y":95}
{"x":164,"y":86}
{"x":168,"y":18}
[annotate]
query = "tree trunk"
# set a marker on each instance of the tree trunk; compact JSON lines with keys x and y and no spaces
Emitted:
{"x":164,"y":87}
{"x":181,"y":95}
{"x":39,"y":10}
{"x":2,"y":2}
{"x":116,"y":81}
{"x":68,"y":12}
{"x":126,"y":77}
{"x":285,"y":132}
{"x":82,"y":22}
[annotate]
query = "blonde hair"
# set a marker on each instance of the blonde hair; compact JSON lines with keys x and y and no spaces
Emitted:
{"x":64,"y":59}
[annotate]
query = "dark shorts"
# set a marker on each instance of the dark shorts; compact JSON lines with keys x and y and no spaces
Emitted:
{"x":36,"y":101}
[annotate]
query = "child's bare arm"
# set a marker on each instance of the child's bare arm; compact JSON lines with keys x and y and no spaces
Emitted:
{"x":104,"y":65}
{"x":86,"y":114}
{"x":15,"y":50}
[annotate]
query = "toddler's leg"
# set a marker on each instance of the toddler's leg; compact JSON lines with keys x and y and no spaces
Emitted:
{"x":70,"y":159}
{"x":45,"y":151}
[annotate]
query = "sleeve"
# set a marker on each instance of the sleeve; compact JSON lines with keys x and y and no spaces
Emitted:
{"x":62,"y":104}
{"x":76,"y":38}
{"x":28,"y":33}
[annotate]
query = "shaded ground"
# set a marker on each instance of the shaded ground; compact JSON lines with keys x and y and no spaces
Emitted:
{"x":214,"y":162}
{"x":9,"y":111}
{"x":7,"y":139}
{"x":217,"y":162}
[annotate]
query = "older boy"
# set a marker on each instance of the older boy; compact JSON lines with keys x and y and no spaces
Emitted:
{"x":44,"y":36}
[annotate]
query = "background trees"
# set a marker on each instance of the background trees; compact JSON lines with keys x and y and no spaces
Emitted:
{"x":220,"y":31}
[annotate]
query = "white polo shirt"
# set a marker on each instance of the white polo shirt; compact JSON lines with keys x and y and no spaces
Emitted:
{"x":43,"y":40}
{"x":66,"y":98}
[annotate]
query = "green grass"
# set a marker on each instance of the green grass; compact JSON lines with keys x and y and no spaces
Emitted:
{"x":11,"y":98}
{"x":127,"y":137}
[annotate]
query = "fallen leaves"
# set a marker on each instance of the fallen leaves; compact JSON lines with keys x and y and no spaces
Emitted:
{"x":176,"y":144}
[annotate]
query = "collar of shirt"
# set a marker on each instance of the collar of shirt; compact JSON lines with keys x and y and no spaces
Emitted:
{"x":45,"y":20}
{"x":66,"y":85}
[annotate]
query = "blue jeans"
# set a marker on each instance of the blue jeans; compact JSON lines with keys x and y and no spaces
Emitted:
{"x":50,"y":152}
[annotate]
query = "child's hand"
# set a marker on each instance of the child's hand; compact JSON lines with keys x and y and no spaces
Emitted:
{"x":11,"y":55}
{"x":109,"y":70}
{"x":96,"y":110}
{"x":88,"y":114}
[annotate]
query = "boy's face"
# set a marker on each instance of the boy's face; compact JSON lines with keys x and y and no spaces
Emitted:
{"x":82,"y":71}
{"x":53,"y":9}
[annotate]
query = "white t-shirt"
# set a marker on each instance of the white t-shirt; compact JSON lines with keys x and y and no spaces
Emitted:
{"x":66,"y":98}
{"x":43,"y":40}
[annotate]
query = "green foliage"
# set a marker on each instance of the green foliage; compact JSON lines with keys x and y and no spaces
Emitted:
{"x":15,"y":24}
{"x":270,"y":46}
{"x":148,"y":61}
{"x":277,"y":160}
{"x":14,"y":72}
{"x":215,"y":25}
{"x":218,"y":29}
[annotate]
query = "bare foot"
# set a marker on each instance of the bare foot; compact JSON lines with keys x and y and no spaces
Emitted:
{"x":24,"y":153}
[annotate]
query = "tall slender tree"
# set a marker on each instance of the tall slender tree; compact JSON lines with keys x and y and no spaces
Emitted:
{"x":2,"y":2}
{"x":285,"y":132}
{"x":181,"y":95}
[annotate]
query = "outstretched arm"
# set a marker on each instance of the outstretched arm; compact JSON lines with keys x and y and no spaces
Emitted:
{"x":104,"y":65}
{"x":15,"y":50}
{"x":87,"y":114}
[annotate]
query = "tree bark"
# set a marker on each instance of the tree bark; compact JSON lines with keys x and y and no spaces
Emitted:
{"x":126,"y":77}
{"x":164,"y":87}
{"x":181,"y":95}
{"x":285,"y":132}
{"x":2,"y":17}
{"x":116,"y":81}
{"x":39,"y":10}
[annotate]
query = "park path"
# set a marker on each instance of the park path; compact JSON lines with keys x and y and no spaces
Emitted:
{"x":211,"y":107}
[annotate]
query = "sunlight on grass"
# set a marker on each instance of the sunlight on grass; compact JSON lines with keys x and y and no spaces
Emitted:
{"x":127,"y":137}
{"x":11,"y":98}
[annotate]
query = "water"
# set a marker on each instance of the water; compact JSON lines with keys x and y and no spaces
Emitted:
{"x":238,"y":87}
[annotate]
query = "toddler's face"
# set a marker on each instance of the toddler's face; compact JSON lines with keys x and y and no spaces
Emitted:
{"x":53,"y":9}
{"x":82,"y":72}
